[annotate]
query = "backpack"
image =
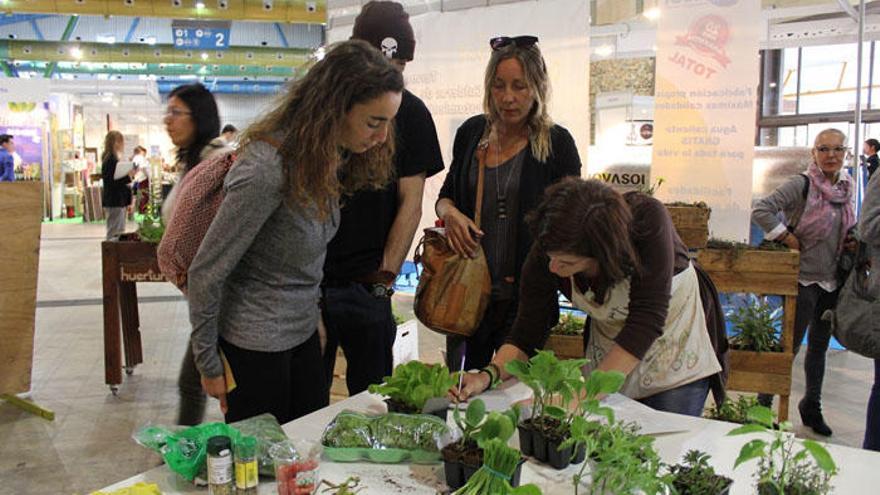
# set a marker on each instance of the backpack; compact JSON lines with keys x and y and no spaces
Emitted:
{"x":199,"y":196}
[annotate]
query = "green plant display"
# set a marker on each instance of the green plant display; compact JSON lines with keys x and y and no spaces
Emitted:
{"x":783,"y":470}
{"x":695,"y":476}
{"x":588,"y":393}
{"x":415,"y":382}
{"x":152,"y":227}
{"x":755,"y":326}
{"x":569,"y":324}
{"x":477,"y":425}
{"x":733,"y":411}
{"x":499,"y":463}
{"x":549,"y":378}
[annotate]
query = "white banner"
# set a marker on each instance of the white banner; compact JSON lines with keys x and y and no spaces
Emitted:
{"x":704,"y":117}
{"x":452,"y":50}
{"x":15,"y":90}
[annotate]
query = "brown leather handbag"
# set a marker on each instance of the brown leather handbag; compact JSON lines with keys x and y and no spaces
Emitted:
{"x":453,"y":291}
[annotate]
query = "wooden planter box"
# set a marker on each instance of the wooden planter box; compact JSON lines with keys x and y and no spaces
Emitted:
{"x":759,"y":272}
{"x":566,"y":346}
{"x":692,"y":224}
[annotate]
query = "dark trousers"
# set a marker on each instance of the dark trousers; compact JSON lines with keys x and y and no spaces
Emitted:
{"x":812,"y":302}
{"x":490,"y":335}
{"x":363,"y":325}
{"x":688,"y":399}
{"x":191,"y":410}
{"x":286,"y":384}
{"x":872,"y":421}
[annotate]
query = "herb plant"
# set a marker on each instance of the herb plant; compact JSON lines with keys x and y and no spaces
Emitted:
{"x":781,"y":469}
{"x":478,"y":426}
{"x":755,"y":326}
{"x":696,"y":477}
{"x":569,"y":324}
{"x":499,"y":463}
{"x":587,"y":392}
{"x":733,"y":411}
{"x":549,"y":378}
{"x":152,"y":227}
{"x":413,"y":383}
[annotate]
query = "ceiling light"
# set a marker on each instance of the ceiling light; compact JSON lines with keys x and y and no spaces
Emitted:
{"x":652,"y":14}
{"x":604,"y":50}
{"x":200,"y":4}
{"x":76,"y":53}
{"x":204,"y":56}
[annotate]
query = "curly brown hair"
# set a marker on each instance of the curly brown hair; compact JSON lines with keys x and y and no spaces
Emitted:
{"x":590,"y":219}
{"x":309,"y":120}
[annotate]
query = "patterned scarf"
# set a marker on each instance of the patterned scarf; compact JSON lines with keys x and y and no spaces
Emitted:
{"x":823,"y":198}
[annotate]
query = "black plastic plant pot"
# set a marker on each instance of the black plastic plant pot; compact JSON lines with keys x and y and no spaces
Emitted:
{"x":526,"y":439}
{"x":558,"y":457}
{"x":517,"y":473}
{"x":539,"y":445}
{"x":469,"y":471}
{"x":454,"y":474}
{"x":681,"y":486}
{"x":580,"y":455}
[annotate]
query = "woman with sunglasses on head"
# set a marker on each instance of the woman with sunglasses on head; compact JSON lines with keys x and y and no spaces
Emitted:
{"x":817,"y":212}
{"x":654,"y":315}
{"x":254,"y":284}
{"x":523,"y":152}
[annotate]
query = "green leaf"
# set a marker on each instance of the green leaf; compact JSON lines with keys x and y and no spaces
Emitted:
{"x":610,"y":382}
{"x":746,"y":429}
{"x":529,"y":489}
{"x":476,"y":411}
{"x":821,"y":455}
{"x":555,"y":412}
{"x":761,"y":415}
{"x":749,"y":451}
{"x":517,"y":368}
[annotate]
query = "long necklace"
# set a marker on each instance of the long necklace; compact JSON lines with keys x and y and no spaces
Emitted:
{"x":501,"y":193}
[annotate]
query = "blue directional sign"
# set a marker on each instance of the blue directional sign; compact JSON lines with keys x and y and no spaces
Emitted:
{"x":201,"y":35}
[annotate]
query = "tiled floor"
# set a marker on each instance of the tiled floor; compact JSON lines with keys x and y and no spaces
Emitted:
{"x":89,"y":444}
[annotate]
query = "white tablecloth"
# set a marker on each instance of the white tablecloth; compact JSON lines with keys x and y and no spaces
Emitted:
{"x":675,"y":435}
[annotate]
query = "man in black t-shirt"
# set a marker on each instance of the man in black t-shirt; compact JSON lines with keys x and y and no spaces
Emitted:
{"x":377,"y":227}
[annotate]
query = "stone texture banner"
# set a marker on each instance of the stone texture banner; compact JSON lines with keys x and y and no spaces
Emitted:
{"x":704,"y":117}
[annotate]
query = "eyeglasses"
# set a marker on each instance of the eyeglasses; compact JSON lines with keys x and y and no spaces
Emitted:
{"x":519,"y":41}
{"x":175,"y":113}
{"x":838,"y":150}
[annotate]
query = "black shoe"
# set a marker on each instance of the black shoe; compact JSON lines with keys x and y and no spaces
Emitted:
{"x":811,"y":415}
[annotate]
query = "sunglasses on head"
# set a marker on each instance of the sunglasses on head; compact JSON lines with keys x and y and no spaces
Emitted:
{"x":519,"y":41}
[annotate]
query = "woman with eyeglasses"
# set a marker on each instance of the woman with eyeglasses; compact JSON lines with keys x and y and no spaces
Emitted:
{"x":813,"y":212}
{"x":193,"y":124}
{"x":523,"y":152}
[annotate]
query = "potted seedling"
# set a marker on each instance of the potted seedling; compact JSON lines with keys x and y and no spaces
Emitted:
{"x":416,"y":387}
{"x":733,"y":411}
{"x":783,"y":470}
{"x":464,"y":457}
{"x":494,"y":477}
{"x":754,"y":327}
{"x":695,"y":476}
{"x":552,"y":381}
{"x":566,"y":339}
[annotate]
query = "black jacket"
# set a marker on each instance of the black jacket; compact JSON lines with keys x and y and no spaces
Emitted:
{"x":536,"y":176}
{"x":116,"y":192}
{"x":873,"y":162}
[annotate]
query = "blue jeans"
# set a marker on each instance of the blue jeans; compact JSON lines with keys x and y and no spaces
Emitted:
{"x":689,"y":399}
{"x":872,"y":422}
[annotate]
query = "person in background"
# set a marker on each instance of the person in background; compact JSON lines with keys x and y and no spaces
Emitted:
{"x":7,"y":163}
{"x":192,"y":123}
{"x":870,"y":148}
{"x":376,"y":227}
{"x":116,"y":176}
{"x":229,"y":134}
{"x":869,"y":230}
{"x":654,"y":315}
{"x":524,"y":153}
{"x":141,"y":181}
{"x":817,"y":216}
{"x":254,"y":285}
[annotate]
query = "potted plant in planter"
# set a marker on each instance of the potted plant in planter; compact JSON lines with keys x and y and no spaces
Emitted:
{"x":781,"y":469}
{"x":499,"y":464}
{"x":416,"y":387}
{"x":567,"y":338}
{"x":754,"y":327}
{"x":733,"y":411}
{"x":691,"y":221}
{"x":735,"y":267}
{"x":696,"y":477}
{"x":550,"y":380}
{"x":462,"y":458}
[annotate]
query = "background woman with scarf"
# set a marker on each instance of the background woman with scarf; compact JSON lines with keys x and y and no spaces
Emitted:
{"x":817,"y":215}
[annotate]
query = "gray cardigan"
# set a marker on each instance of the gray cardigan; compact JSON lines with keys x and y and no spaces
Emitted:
{"x":869,"y":226}
{"x":254,"y":281}
{"x":818,"y":262}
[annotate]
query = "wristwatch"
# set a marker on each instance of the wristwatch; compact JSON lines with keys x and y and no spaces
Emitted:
{"x":380,"y":290}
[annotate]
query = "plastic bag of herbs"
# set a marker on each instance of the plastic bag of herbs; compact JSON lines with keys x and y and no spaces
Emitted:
{"x":387,"y":438}
{"x":266,"y":429}
{"x":416,"y":387}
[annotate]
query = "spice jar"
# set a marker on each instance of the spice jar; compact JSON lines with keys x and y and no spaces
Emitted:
{"x":246,"y":475}
{"x":220,"y":480}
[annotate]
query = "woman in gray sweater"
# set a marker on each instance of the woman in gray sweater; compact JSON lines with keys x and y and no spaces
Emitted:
{"x":253,"y":286}
{"x":869,"y":229}
{"x":816,"y":212}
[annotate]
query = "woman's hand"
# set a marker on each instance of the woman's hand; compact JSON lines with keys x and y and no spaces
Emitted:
{"x":472,"y":384}
{"x":850,"y":244}
{"x":462,"y":232}
{"x":216,"y":387}
{"x":791,"y":241}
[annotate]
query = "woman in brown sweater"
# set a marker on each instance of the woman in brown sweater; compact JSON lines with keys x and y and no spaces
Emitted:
{"x":653,"y":314}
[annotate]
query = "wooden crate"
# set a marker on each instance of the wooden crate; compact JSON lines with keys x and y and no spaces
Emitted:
{"x":759,"y":272}
{"x":691,"y":223}
{"x":566,"y":346}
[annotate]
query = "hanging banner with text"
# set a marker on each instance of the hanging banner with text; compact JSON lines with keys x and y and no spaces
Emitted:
{"x":704,"y":116}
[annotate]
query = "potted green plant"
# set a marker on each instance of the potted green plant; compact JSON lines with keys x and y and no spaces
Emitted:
{"x":695,"y":476}
{"x":754,"y":326}
{"x":500,"y":461}
{"x":566,"y":339}
{"x":783,"y":470}
{"x":551,"y":380}
{"x":416,"y":387}
{"x":733,"y":411}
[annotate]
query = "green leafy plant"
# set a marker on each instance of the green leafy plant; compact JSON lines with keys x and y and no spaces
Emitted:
{"x":695,"y":476}
{"x":755,"y":326}
{"x":569,"y":324}
{"x":783,"y":470}
{"x":587,"y":394}
{"x":493,"y":477}
{"x":413,"y":383}
{"x":550,"y":379}
{"x":653,"y":188}
{"x":477,"y":425}
{"x":733,"y":411}
{"x":152,"y":227}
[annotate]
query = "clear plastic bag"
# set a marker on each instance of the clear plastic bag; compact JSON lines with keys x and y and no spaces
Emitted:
{"x":266,"y":429}
{"x":388,"y":438}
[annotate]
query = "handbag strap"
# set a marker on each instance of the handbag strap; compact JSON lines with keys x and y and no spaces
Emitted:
{"x":482,"y":149}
